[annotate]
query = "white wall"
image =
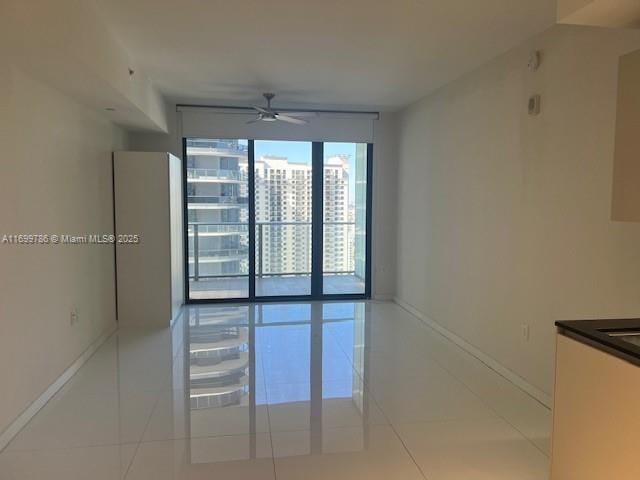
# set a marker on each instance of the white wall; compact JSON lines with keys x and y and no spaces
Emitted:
{"x":384,"y":189}
{"x":385,"y":184}
{"x":55,"y":175}
{"x":504,"y":219}
{"x":68,"y":44}
{"x":603,"y":13}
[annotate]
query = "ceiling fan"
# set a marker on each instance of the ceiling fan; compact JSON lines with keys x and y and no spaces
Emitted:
{"x":268,"y":114}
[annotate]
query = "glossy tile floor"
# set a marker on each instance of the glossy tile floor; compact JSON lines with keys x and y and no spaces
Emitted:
{"x":287,"y":391}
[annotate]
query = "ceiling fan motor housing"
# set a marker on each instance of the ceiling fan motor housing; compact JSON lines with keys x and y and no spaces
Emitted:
{"x":269,"y":97}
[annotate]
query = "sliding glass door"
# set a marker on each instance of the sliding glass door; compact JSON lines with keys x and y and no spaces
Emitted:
{"x":276,"y":219}
{"x":216,"y":195}
{"x":344,"y":260}
{"x":283,"y":218}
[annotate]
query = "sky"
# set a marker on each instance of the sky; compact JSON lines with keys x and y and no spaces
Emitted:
{"x":301,"y":151}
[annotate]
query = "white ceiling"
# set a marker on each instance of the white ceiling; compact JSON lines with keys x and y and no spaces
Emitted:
{"x":373,"y":53}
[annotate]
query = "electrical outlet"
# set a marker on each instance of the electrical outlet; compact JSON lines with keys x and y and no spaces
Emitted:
{"x":73,"y":316}
{"x":525,"y":332}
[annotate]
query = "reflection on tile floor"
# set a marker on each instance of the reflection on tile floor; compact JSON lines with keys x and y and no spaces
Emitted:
{"x":338,"y":390}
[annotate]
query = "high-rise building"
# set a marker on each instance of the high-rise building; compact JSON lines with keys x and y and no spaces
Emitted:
{"x":283,"y":216}
{"x":218,"y":209}
{"x":338,"y":254}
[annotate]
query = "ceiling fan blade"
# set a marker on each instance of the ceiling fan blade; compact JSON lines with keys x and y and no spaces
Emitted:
{"x":261,"y":109}
{"x":286,"y":118}
{"x":255,"y":120}
{"x":301,"y":114}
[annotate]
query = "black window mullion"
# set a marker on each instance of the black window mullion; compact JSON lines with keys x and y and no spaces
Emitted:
{"x":252,"y":221}
{"x":369,"y":216}
{"x":317,"y":214}
{"x":185,"y":221}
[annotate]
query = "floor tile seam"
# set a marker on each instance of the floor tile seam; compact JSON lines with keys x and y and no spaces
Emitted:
{"x":488,"y":405}
{"x":450,"y":343}
{"x":339,"y":427}
{"x":406,"y":448}
{"x":366,"y":383}
{"x":134,"y":391}
{"x":273,"y":459}
{"x":459,"y":420}
{"x":51,"y":399}
{"x":203,"y":436}
{"x":353,"y":367}
{"x":443,"y":365}
{"x":92,"y":444}
{"x":22,"y":451}
{"x":390,"y":424}
{"x":144,"y":431}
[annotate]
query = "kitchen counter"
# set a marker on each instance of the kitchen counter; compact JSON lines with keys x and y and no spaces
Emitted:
{"x":596,"y":421}
{"x":619,"y":337}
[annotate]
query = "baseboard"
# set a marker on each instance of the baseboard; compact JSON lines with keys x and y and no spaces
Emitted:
{"x":18,"y":424}
{"x":494,"y":365}
{"x":175,"y":318}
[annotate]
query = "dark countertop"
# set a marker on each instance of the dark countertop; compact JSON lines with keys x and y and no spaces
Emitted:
{"x":597,"y":333}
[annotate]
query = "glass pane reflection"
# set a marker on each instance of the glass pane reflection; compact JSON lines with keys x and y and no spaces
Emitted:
{"x":251,"y":370}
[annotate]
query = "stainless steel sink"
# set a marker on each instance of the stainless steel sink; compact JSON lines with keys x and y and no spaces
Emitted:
{"x":630,"y":336}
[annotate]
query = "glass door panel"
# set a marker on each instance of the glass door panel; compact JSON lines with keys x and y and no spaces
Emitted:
{"x":254,"y":208}
{"x":344,"y":218}
{"x":217,"y":218}
{"x":283,"y":216}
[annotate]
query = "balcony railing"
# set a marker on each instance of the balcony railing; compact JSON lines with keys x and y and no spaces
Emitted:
{"x":202,"y":199}
{"x":220,"y":145}
{"x":230,"y":228}
{"x":222,"y":252}
{"x":195,"y":173}
{"x":268,"y":242}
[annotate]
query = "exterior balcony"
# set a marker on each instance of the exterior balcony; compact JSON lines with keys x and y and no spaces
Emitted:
{"x":219,"y":202}
{"x":273,"y":285}
{"x":225,"y":372}
{"x":216,"y":397}
{"x":211,"y":175}
{"x":221,"y":149}
{"x":204,"y":230}
{"x":209,"y":256}
{"x":212,"y":345}
{"x":218,"y":317}
{"x":283,"y":262}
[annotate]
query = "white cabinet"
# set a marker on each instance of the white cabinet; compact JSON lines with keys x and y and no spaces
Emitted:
{"x":625,"y":204}
{"x":148,"y":203}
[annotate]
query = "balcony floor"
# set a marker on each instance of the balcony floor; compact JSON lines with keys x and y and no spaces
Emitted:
{"x":237,"y":287}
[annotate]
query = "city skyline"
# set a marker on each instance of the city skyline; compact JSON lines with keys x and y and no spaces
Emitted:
{"x":300,"y":152}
